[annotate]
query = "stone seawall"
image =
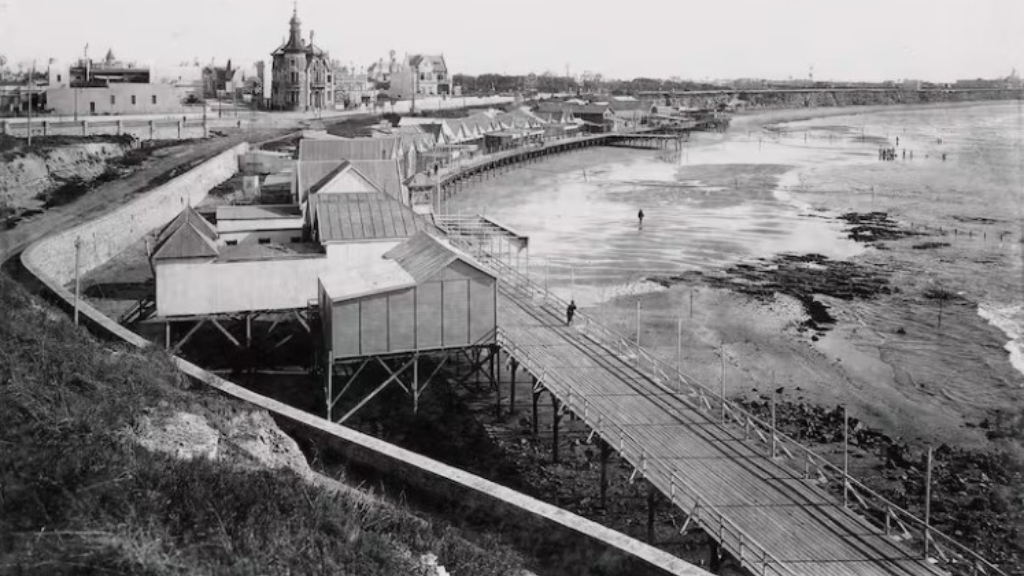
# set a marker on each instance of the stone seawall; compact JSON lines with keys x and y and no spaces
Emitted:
{"x":51,"y":262}
{"x":107,"y":236}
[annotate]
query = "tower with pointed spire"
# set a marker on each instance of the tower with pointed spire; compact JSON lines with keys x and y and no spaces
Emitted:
{"x":302,"y":76}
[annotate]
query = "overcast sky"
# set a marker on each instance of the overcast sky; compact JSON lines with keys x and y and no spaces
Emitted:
{"x":853,"y":39}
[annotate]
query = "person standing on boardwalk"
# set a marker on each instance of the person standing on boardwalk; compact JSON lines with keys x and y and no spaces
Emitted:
{"x":641,"y":217}
{"x":570,"y":311}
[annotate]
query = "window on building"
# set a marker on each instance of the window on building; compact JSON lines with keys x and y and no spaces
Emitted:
{"x":113,"y":100}
{"x":58,"y":78}
{"x":423,"y":76}
{"x":133,"y":99}
{"x":295,"y":77}
{"x":92,"y":107}
{"x":154,"y":99}
{"x":328,"y":78}
{"x":232,"y":242}
{"x":264,"y":240}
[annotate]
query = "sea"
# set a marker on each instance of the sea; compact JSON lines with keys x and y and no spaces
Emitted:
{"x":726,"y":199}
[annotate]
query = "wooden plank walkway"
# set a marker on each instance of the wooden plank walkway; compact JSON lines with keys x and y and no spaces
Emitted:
{"x":683,"y":452}
{"x":759,"y":493}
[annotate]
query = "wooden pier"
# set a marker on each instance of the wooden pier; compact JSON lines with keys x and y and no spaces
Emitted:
{"x":450,"y":181}
{"x":759,"y":494}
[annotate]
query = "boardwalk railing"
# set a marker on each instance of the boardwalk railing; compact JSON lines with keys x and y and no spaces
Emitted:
{"x":741,"y":545}
{"x":457,"y":169}
{"x":896,"y":522}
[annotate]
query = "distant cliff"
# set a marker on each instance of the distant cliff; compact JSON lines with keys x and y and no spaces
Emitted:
{"x":760,"y":99}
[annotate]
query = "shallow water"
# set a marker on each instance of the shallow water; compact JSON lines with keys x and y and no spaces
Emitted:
{"x":724,"y":199}
{"x":985,"y":141}
{"x":713,"y":204}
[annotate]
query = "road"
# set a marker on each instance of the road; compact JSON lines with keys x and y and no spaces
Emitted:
{"x":112,"y":194}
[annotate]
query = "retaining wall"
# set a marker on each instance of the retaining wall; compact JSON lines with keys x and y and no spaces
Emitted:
{"x":141,"y":129}
{"x":104,"y":238}
{"x":51,"y":261}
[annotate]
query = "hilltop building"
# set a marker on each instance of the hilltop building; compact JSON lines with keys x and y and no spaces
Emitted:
{"x":415,"y":75}
{"x":109,"y":86}
{"x":220,"y":80}
{"x":302,"y":76}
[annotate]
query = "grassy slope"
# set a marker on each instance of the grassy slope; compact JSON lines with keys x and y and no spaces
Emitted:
{"x":79,"y":496}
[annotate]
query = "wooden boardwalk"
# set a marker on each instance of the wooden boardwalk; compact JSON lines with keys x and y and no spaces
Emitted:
{"x":762,"y":496}
{"x":751,"y":504}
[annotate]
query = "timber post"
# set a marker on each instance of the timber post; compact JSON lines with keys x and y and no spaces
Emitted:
{"x":495,"y":376}
{"x":555,"y":417}
{"x":651,"y":503}
{"x":512,"y":388}
{"x":536,"y":397}
{"x":605,"y":452}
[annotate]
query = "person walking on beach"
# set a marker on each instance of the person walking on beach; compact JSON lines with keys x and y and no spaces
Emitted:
{"x":904,"y":153}
{"x":640,"y":216}
{"x":570,"y":311}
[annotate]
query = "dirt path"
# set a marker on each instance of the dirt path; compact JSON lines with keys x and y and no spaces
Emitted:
{"x":112,"y":194}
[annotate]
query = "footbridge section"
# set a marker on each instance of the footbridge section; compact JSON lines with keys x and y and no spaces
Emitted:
{"x":763,"y":497}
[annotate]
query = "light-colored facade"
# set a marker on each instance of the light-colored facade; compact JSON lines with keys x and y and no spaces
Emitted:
{"x":422,"y":295}
{"x":302,"y":77}
{"x":421,"y":75}
{"x":354,"y":87}
{"x":121,"y":98}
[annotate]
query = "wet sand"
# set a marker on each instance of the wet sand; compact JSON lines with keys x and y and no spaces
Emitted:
{"x":770,"y":187}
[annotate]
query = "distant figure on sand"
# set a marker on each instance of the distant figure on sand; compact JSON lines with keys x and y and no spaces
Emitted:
{"x":641,"y":217}
{"x":570,"y":311}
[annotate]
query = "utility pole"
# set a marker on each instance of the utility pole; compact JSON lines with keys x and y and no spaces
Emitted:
{"x":846,"y":457}
{"x":928,"y":503}
{"x":28,"y":87}
{"x":412,"y":109}
{"x":78,"y":251}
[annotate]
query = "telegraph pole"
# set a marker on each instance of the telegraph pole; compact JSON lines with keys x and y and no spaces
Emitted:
{"x":78,"y":250}
{"x":28,"y":87}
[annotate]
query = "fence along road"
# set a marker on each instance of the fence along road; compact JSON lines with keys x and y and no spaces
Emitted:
{"x":709,"y":457}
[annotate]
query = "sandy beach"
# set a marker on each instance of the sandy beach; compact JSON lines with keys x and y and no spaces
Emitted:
{"x":777,"y":183}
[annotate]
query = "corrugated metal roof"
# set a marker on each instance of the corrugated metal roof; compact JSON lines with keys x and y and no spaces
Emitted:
{"x":316,"y":175}
{"x":258,"y":212}
{"x":248,"y":252}
{"x":423,"y":256}
{"x":379,"y":276}
{"x":187,"y":241}
{"x":350,"y":149}
{"x":384,"y":174}
{"x":186,"y":216}
{"x":364,"y":216}
{"x":309,"y":174}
